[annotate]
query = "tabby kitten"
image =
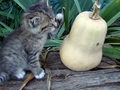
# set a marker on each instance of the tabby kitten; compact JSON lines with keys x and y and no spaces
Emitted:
{"x":21,"y":49}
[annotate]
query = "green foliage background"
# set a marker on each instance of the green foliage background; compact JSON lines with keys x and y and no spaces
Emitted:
{"x":11,"y":12}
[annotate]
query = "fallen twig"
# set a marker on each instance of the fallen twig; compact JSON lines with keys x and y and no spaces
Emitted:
{"x":47,"y":70}
{"x":30,"y":77}
{"x":110,"y":67}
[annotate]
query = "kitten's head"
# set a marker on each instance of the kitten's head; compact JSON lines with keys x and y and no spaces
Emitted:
{"x":39,"y":18}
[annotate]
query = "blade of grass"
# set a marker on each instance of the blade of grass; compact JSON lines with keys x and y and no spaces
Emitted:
{"x":20,"y":4}
{"x":72,"y":14}
{"x":116,"y":16}
{"x":111,"y":52}
{"x":61,"y":31}
{"x":114,"y":34}
{"x":8,"y":28}
{"x":6,"y":14}
{"x":116,"y":47}
{"x":4,"y":32}
{"x":77,"y":5}
{"x":66,"y":15}
{"x":112,"y":41}
{"x":114,"y":28}
{"x":93,"y":1}
{"x":53,"y":43}
{"x":109,"y":11}
{"x":86,"y":4}
{"x":25,"y":3}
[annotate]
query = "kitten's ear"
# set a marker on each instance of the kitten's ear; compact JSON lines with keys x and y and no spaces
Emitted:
{"x":45,"y":2}
{"x":34,"y":21}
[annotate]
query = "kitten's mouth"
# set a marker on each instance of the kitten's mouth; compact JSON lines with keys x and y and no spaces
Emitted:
{"x":51,"y":26}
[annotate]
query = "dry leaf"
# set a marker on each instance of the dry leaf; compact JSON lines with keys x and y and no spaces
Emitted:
{"x":109,"y":67}
{"x":48,"y":78}
{"x":117,"y":62}
{"x":30,"y":77}
{"x":47,"y":70}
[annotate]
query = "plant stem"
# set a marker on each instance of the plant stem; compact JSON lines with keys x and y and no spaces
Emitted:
{"x":96,"y":9}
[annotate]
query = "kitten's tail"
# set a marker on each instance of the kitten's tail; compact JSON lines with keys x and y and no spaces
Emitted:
{"x":3,"y":77}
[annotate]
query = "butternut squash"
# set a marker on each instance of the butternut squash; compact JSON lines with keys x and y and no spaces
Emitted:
{"x":81,"y":50}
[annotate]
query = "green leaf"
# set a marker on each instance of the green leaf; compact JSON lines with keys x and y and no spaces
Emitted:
{"x":66,"y":15}
{"x":20,"y":4}
{"x":61,"y":31}
{"x":4,"y":25}
{"x":111,"y":52}
{"x":25,"y":3}
{"x":112,"y":41}
{"x":6,"y":14}
{"x":114,"y":34}
{"x":113,"y":19}
{"x":77,"y":5}
{"x":53,"y":43}
{"x":112,"y":29}
{"x":4,"y":32}
{"x":111,"y":12}
{"x":86,"y":4}
{"x":93,"y":1}
{"x":116,"y":47}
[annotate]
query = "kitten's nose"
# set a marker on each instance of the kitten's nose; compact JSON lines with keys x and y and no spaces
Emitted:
{"x":55,"y":24}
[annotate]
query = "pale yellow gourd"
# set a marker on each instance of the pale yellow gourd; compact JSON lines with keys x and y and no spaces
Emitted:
{"x":81,"y":50}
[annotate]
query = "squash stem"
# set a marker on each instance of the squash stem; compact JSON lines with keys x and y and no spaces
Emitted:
{"x":96,"y":9}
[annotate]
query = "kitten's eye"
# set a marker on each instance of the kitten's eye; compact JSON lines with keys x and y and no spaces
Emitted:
{"x":30,"y":17}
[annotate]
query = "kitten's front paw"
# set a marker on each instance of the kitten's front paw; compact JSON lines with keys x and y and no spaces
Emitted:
{"x":20,"y":75}
{"x":59,"y":16}
{"x":41,"y":75}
